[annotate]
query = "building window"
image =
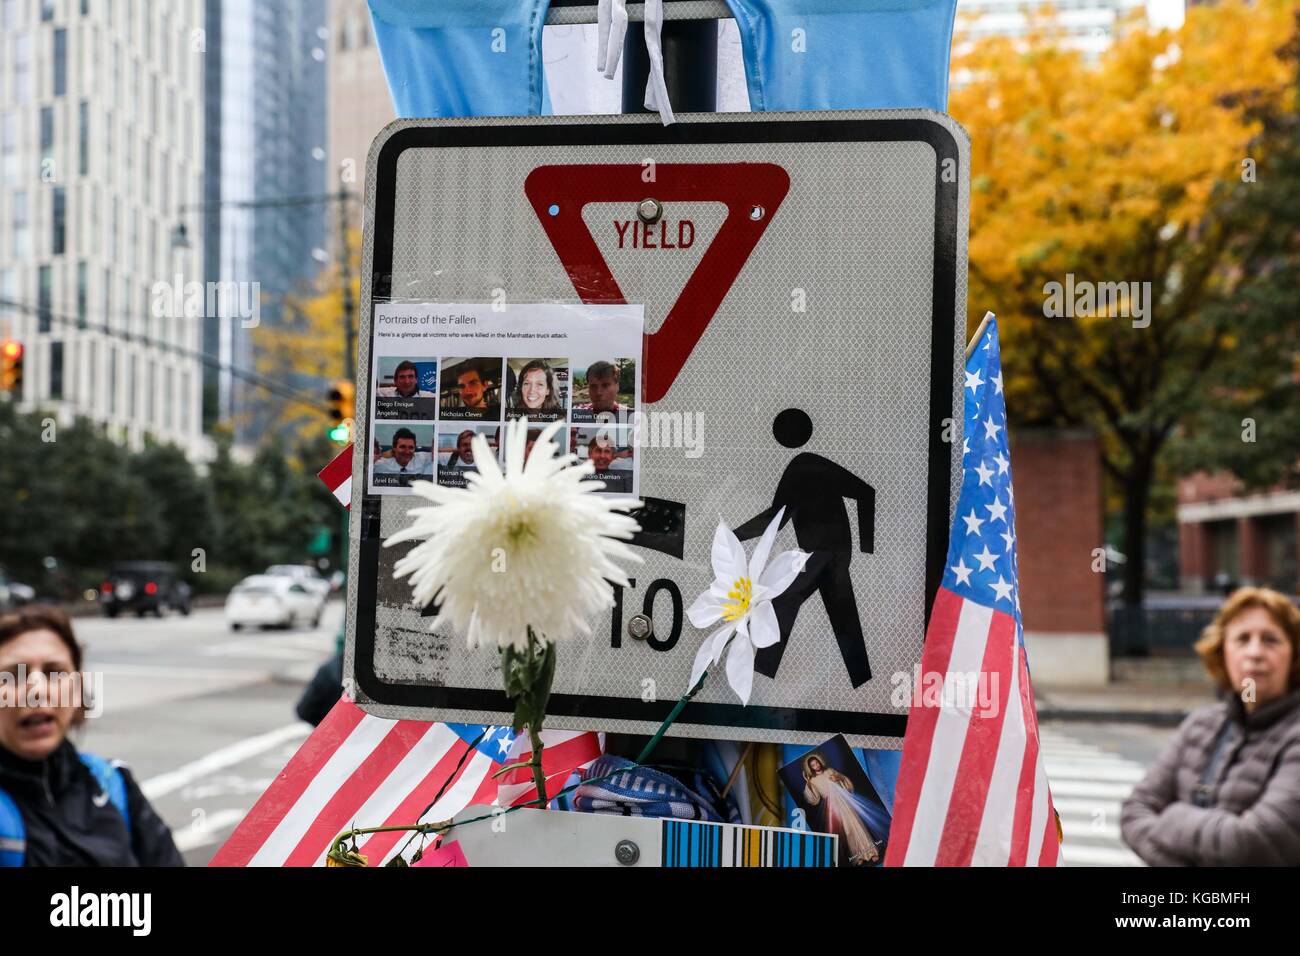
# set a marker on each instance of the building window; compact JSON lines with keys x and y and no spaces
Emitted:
{"x":9,"y":11}
{"x":131,"y":403}
{"x":44,"y":298}
{"x":9,"y":148}
{"x":169,"y":404}
{"x":85,"y":8}
{"x":47,"y":11}
{"x":8,"y":293}
{"x":112,"y":381}
{"x":47,"y":139}
{"x":23,"y":68}
{"x":22,"y":236}
{"x":59,"y":232}
{"x":106,"y":320}
{"x":56,"y":370}
{"x":92,"y":373}
{"x":109,"y":171}
{"x":83,"y":292}
{"x":60,"y":62}
{"x":151,"y":381}
{"x":113,"y":231}
{"x":83,"y":138}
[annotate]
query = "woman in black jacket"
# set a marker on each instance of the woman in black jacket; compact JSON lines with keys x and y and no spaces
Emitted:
{"x":59,"y":807}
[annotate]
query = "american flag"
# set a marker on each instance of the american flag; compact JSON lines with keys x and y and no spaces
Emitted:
{"x":971,"y":788}
{"x":337,"y":476}
{"x":364,"y":771}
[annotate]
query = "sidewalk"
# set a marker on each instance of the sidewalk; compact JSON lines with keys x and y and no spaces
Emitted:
{"x":1125,"y":701}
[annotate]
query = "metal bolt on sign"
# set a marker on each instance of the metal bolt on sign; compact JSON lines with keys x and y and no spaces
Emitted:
{"x":627,"y":852}
{"x":640,"y":627}
{"x":650,"y":211}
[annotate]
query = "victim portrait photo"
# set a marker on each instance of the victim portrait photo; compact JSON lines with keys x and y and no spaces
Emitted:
{"x":537,"y":388}
{"x":455,"y":453}
{"x":609,"y":448}
{"x":604,"y":390}
{"x":406,"y":388}
{"x":401,"y":454}
{"x":471,"y":389}
{"x":829,"y":785}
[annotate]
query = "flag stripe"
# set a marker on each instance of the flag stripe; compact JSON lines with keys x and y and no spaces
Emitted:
{"x":980,"y":748}
{"x":919,"y":736}
{"x":288,"y":788}
{"x":997,"y":826}
{"x":949,"y":739}
{"x":340,"y":810}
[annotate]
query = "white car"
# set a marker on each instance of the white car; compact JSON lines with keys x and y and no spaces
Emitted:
{"x":266,"y":600}
{"x":307,"y":576}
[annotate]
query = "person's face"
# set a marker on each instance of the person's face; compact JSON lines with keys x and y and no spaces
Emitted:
{"x":602,"y":455}
{"x":465,"y":450}
{"x":1257,"y":656}
{"x":471,"y":389}
{"x":34,"y":731}
{"x":534,"y":388}
{"x":404,"y":451}
{"x":603,"y":393}
{"x":815,"y":765}
{"x":405,"y":381}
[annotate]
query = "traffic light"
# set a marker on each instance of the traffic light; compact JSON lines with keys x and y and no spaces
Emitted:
{"x":11,"y":367}
{"x":343,"y":400}
{"x":341,"y":433}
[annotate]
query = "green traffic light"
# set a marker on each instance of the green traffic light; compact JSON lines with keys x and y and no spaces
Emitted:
{"x":339,"y":434}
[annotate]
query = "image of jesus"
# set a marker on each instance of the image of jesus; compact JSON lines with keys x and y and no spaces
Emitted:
{"x":833,"y":791}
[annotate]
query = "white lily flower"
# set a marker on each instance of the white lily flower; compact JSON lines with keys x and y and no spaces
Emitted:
{"x":741,"y":595}
{"x":530,"y":546}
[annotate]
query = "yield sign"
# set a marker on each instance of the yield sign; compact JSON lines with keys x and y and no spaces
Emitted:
{"x":752,"y":192}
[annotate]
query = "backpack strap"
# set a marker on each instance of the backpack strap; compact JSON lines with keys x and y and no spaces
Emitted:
{"x":110,"y":780}
{"x":13,"y":834}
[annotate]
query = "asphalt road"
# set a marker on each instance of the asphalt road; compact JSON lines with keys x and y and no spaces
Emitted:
{"x":205,"y":719}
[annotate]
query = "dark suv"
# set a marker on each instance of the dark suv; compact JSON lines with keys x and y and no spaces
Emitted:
{"x":142,"y":586}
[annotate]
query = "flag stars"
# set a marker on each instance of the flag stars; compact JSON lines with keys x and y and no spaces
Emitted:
{"x":997,"y":511}
{"x":991,"y":428}
{"x":1002,"y":463}
{"x":985,"y":473}
{"x":997,"y":383}
{"x":1009,"y":538}
{"x":963,"y":573}
{"x":972,"y":522}
{"x":986,"y":559}
{"x":1003,"y":589}
{"x":973,"y":381}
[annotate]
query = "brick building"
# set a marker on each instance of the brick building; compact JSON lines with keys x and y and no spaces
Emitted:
{"x":1227,"y":539}
{"x":1058,"y":485}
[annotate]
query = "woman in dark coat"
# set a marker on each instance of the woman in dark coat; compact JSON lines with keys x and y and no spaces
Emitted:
{"x":1226,"y":791}
{"x":59,"y":807}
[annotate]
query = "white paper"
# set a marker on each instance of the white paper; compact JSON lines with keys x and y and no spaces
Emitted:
{"x":441,"y":371}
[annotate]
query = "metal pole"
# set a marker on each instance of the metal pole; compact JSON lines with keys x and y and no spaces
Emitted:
{"x":349,"y":306}
{"x":690,"y":66}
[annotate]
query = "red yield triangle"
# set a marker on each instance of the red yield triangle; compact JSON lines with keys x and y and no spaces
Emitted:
{"x":740,"y":186}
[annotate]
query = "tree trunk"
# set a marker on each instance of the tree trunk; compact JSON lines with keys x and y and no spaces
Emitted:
{"x":1137,"y":494}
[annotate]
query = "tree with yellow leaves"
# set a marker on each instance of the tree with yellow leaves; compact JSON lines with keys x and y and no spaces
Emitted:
{"x":1096,"y":231}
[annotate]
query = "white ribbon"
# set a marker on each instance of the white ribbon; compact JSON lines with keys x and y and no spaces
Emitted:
{"x":611,"y":31}
{"x":656,"y":88}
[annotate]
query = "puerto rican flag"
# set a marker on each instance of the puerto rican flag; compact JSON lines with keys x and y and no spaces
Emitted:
{"x":357,"y":770}
{"x":337,"y":476}
{"x":972,"y":790}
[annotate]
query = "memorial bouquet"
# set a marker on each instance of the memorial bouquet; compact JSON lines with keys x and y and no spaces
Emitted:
{"x":520,"y":558}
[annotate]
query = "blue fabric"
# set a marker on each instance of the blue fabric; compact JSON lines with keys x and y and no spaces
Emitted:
{"x":845,"y":54}
{"x":646,"y":792}
{"x":110,"y":779}
{"x":13,"y":833}
{"x":462,"y":57}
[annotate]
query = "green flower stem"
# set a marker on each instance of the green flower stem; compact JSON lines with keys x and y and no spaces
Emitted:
{"x":539,"y":778}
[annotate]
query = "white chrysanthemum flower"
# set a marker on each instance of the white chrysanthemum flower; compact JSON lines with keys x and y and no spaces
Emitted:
{"x":741,"y":596}
{"x":532,"y":546}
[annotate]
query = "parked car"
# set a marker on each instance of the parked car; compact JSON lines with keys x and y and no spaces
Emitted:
{"x":272,"y":600}
{"x":143,"y":586}
{"x":13,"y":593}
{"x":305,"y":575}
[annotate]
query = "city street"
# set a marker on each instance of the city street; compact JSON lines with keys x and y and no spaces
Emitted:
{"x":204,"y":716}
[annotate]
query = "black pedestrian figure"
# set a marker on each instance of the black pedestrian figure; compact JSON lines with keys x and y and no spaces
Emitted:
{"x":812,"y":490}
